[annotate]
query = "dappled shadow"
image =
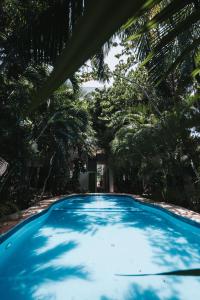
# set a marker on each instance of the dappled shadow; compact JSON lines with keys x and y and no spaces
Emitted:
{"x":174,"y":250}
{"x":162,"y":287}
{"x":91,"y":239}
{"x":172,"y":246}
{"x":83,"y":214}
{"x":36,"y":264}
{"x":136,"y":292}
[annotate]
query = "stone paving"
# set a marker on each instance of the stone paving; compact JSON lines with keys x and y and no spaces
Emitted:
{"x":16,"y":218}
{"x":178,"y":210}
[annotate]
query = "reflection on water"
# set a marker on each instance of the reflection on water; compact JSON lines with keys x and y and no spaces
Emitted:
{"x":85,"y":242}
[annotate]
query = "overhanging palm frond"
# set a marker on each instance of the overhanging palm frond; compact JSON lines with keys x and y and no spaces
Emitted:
{"x":196,"y":71}
{"x":165,"y":13}
{"x":174,"y":28}
{"x":189,"y":272}
{"x":42,"y":28}
{"x":181,"y":57}
{"x":99,"y":22}
{"x":181,"y":27}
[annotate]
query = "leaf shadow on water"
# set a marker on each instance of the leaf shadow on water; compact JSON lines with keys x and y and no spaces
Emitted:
{"x":166,"y":240}
{"x":150,"y":293}
{"x":136,"y":292}
{"x":172,"y":247}
{"x":83,"y":214}
{"x":30,"y":269}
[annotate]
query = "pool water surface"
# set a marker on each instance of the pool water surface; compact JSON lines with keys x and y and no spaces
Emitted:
{"x":85,"y":248}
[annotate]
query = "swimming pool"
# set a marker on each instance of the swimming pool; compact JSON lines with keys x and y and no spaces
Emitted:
{"x":97,"y":247}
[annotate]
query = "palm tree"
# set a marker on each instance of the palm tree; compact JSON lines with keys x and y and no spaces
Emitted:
{"x":101,"y":20}
{"x":166,"y":37}
{"x":67,"y":33}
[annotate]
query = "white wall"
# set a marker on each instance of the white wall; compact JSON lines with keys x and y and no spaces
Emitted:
{"x":84,"y":181}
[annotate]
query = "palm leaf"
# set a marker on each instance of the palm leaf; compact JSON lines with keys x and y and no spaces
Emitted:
{"x":196,"y":71}
{"x":180,"y":59}
{"x":181,"y":27}
{"x":190,"y":272}
{"x":99,"y":22}
{"x":132,"y":20}
{"x":162,"y":16}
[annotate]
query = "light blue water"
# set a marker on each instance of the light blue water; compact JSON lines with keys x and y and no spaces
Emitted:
{"x":78,"y":249}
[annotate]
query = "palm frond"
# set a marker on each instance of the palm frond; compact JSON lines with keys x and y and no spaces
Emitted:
{"x":162,"y":16}
{"x":180,"y":58}
{"x":166,"y":37}
{"x":99,"y":22}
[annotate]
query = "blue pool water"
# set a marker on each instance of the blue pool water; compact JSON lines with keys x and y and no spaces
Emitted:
{"x":82,"y":247}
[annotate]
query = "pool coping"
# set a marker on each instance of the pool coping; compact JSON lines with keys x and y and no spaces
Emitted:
{"x":41,"y":207}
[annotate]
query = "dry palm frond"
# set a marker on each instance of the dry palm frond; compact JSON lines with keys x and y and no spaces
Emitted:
{"x":3,"y":166}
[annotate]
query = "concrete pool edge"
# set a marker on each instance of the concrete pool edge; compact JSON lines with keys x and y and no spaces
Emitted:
{"x":7,"y":229}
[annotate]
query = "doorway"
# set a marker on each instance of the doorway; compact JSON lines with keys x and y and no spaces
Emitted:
{"x":102,"y":178}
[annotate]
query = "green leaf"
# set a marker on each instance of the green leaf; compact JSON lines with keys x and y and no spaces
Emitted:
{"x":131,"y":21}
{"x":181,"y":27}
{"x":196,"y":72}
{"x":99,"y":22}
{"x":180,"y":58}
{"x":162,"y":16}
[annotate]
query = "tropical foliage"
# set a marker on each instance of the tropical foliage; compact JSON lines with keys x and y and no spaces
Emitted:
{"x":46,"y":150}
{"x":147,"y":120}
{"x":152,"y":140}
{"x":160,"y":24}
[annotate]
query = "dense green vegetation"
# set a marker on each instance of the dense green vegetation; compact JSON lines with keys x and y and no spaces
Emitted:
{"x":147,"y":120}
{"x":152,"y":142}
{"x":45,"y":150}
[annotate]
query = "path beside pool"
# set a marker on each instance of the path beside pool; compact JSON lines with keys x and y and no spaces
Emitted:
{"x":14,"y":219}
